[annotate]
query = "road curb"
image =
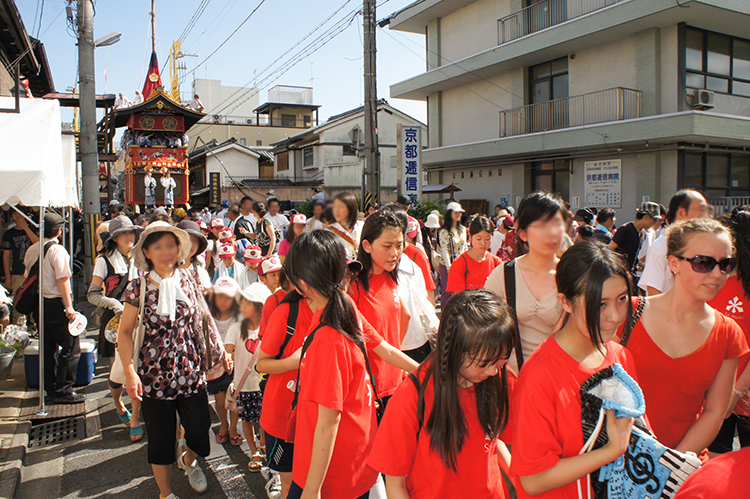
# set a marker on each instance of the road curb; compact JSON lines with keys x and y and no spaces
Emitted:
{"x":12,"y":457}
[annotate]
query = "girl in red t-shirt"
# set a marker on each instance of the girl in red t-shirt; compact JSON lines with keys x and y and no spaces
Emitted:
{"x":336,"y":420}
{"x":594,"y":291}
{"x":440,"y":435}
{"x":733,"y":301}
{"x":375,"y":291}
{"x":686,"y":352}
{"x":471,"y":270}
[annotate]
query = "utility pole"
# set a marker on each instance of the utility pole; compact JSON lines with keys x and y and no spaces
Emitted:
{"x":87,"y":143}
{"x":371,"y":173}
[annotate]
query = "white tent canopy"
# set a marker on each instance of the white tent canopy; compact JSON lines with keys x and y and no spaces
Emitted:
{"x":36,"y":170}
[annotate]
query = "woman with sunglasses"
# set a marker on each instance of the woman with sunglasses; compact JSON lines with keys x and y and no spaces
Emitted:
{"x":686,"y":353}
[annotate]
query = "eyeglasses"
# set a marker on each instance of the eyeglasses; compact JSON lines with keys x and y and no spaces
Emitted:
{"x":704,"y":264}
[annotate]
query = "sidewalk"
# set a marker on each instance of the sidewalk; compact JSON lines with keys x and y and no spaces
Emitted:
{"x":14,"y":434}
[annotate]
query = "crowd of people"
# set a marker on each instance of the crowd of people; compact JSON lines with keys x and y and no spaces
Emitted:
{"x":533,"y":352}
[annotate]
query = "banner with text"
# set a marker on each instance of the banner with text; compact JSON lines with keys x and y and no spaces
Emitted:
{"x":409,"y":161}
{"x":603,"y":187}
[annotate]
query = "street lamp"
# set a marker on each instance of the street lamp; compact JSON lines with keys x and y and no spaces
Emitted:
{"x":110,"y":39}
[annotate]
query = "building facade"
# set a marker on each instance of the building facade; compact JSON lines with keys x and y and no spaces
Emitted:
{"x":331,"y":152}
{"x":607,"y":102}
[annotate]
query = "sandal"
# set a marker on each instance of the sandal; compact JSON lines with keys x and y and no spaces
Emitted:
{"x":125,"y":417}
{"x":222,"y":438}
{"x":236,"y":441}
{"x":136,"y":433}
{"x":256,"y":463}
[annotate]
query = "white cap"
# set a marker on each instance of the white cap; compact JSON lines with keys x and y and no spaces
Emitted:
{"x":226,"y":286}
{"x":433,"y":221}
{"x":257,"y":292}
{"x":454,"y":206}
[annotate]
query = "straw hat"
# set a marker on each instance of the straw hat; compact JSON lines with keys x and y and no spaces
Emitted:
{"x":182,"y":237}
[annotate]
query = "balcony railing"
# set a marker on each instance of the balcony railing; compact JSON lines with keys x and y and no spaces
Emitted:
{"x":725,"y":204}
{"x":544,"y":14}
{"x":262,"y":120}
{"x":613,"y":104}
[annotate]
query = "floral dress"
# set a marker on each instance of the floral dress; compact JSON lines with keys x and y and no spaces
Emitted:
{"x":170,"y":362}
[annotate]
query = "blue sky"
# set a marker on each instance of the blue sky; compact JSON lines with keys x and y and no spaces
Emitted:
{"x":336,"y":68}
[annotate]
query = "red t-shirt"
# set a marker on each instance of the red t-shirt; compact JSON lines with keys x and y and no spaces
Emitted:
{"x":398,"y":452}
{"x":675,"y":389}
{"x":547,"y":411}
{"x":381,"y":306}
{"x":277,"y":399}
{"x":726,"y":477}
{"x":333,"y":374}
{"x":732,"y":302}
{"x":467,"y":273}
{"x":417,"y":255}
{"x":271,"y":303}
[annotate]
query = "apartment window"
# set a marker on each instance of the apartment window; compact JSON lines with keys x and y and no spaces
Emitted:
{"x":548,"y":81}
{"x":243,"y":141}
{"x":258,"y":142}
{"x":716,"y":174}
{"x":288,"y":120}
{"x":308,"y":157}
{"x":548,"y":87}
{"x":717,"y":62}
{"x":349,"y":150}
{"x":551,"y":176}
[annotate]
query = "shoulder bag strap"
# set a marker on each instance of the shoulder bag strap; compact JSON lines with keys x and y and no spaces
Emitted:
{"x":640,"y":306}
{"x":308,"y":341}
{"x":379,"y":403}
{"x":291,"y":326}
{"x":140,"y":330}
{"x":509,"y":273}
{"x":343,"y":235}
{"x":466,"y":269}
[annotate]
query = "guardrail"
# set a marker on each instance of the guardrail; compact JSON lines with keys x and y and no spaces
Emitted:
{"x":614,"y":104}
{"x":544,"y":14}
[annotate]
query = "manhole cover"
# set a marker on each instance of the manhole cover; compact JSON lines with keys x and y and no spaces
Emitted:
{"x":57,"y":432}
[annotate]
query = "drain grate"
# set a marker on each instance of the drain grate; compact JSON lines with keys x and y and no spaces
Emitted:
{"x":57,"y":432}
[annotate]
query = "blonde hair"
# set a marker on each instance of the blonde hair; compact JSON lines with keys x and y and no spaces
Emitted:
{"x":679,"y":234}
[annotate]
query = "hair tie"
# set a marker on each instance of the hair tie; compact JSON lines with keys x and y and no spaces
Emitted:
{"x":337,"y":286}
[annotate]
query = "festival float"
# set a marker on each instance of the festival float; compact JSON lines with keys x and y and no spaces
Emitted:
{"x":155,"y":141}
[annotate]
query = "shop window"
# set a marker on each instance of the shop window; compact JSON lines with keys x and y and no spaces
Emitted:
{"x":551,"y":176}
{"x":716,"y":174}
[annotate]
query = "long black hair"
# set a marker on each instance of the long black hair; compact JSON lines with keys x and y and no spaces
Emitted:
{"x":581,"y":273}
{"x":319,"y":259}
{"x":448,"y":221}
{"x":739,"y":223}
{"x":476,"y":325}
{"x":374,"y":226}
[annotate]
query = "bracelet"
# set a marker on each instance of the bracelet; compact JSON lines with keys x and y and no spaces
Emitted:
{"x":738,"y":393}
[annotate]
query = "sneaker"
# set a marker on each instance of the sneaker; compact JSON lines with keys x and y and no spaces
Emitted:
{"x":273,"y":487}
{"x":194,"y":473}
{"x":266,"y":473}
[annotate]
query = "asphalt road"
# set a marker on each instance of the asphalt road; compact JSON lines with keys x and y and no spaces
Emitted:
{"x":107,"y":464}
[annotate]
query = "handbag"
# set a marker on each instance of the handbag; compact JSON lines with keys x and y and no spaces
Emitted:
{"x":647,"y":469}
{"x":117,"y":372}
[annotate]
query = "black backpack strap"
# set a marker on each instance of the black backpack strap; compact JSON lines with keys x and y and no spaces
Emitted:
{"x":308,"y":341}
{"x":291,"y":326}
{"x":637,"y":313}
{"x":466,"y":269}
{"x":379,"y":407}
{"x":509,"y":273}
{"x":420,"y":414}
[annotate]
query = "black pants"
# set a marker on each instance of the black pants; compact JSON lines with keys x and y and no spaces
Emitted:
{"x":59,"y":375}
{"x":420,"y":353}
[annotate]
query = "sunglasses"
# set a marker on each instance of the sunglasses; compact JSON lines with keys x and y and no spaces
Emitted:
{"x":704,"y":264}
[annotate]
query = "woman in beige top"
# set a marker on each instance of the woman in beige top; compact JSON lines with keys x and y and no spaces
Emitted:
{"x":540,"y":228}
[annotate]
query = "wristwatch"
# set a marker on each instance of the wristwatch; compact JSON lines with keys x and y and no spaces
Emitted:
{"x":739,"y":393}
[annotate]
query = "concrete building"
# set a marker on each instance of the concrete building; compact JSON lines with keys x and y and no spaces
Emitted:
{"x":229,"y":116}
{"x":327,"y":152}
{"x":608,"y":102}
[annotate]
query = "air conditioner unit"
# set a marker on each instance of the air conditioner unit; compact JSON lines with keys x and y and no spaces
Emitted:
{"x":703,"y":100}
{"x":217,"y":118}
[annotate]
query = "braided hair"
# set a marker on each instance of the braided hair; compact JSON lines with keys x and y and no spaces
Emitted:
{"x":477,"y":327}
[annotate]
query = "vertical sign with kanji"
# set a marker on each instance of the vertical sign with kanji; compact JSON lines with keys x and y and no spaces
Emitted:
{"x":603,"y":185}
{"x":409,"y":161}
{"x":214,"y":188}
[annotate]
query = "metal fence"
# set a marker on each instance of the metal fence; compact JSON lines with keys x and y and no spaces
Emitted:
{"x":613,"y":104}
{"x":725,"y":204}
{"x":544,"y":14}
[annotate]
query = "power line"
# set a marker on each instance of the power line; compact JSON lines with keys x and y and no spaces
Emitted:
{"x":227,"y":7}
{"x":228,"y":38}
